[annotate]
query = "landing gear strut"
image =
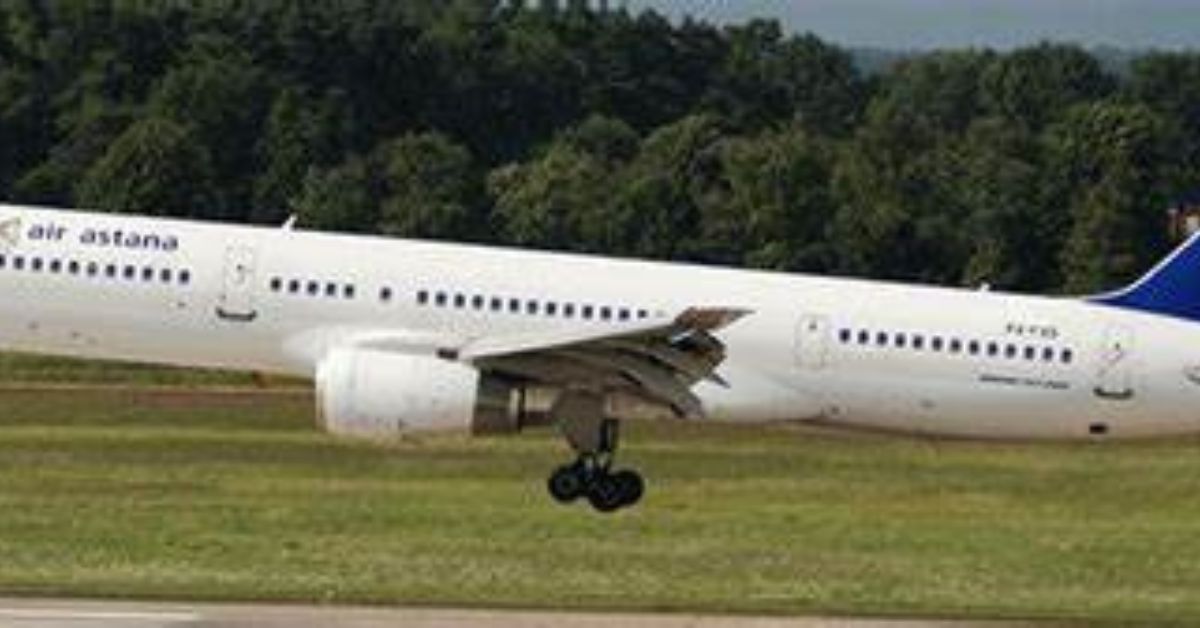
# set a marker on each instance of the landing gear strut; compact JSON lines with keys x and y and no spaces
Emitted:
{"x":594,"y":438}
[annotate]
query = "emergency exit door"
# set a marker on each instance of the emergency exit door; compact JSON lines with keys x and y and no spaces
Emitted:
{"x":812,"y":342}
{"x":1115,"y":373}
{"x":236,"y":302}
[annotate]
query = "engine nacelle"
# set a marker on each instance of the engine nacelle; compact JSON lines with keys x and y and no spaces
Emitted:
{"x":368,"y":393}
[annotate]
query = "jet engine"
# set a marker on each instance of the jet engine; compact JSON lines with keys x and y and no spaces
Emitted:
{"x":368,"y":393}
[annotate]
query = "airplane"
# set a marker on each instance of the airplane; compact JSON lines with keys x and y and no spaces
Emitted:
{"x":403,"y":336}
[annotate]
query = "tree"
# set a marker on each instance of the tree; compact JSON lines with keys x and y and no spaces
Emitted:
{"x":1110,"y":158}
{"x":420,"y":185}
{"x":895,"y":216}
{"x":1012,"y":235}
{"x":1169,"y":83}
{"x":339,"y":199}
{"x":607,"y":139}
{"x":155,"y":167}
{"x":304,"y":131}
{"x":555,"y":202}
{"x":53,"y":181}
{"x":222,"y":96}
{"x":940,"y":91}
{"x":656,"y":211}
{"x":24,"y":130}
{"x":767,"y":78}
{"x":774,"y":205}
{"x":564,"y":199}
{"x":1034,"y":86}
{"x":432,"y":189}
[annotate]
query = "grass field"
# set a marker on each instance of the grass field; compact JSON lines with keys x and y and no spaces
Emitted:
{"x":20,"y":368}
{"x":190,"y":495}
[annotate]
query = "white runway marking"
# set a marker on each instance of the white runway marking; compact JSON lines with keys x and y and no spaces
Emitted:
{"x":65,"y":617}
{"x":15,"y":613}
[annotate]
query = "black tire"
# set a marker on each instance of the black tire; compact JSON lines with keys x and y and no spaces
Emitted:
{"x":567,"y":484}
{"x":632,"y":487}
{"x":605,"y":494}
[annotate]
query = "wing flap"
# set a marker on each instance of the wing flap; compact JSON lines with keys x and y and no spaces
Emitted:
{"x":658,"y":360}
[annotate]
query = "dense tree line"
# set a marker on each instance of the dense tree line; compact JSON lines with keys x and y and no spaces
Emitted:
{"x":566,"y":124}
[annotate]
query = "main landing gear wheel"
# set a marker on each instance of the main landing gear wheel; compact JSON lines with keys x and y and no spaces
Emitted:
{"x":605,"y":491}
{"x":568,"y":483}
{"x":591,"y":475}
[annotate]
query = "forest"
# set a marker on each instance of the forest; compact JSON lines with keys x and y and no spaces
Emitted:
{"x":574,"y":125}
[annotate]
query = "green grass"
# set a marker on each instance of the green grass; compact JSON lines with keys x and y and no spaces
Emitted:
{"x":20,"y":368}
{"x":186,"y":495}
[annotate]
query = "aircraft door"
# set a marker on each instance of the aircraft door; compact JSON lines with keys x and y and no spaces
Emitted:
{"x":1114,"y":374}
{"x":236,"y":301}
{"x":812,"y":342}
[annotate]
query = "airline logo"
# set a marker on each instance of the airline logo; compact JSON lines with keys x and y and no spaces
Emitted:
{"x":90,"y":236}
{"x":10,"y":234}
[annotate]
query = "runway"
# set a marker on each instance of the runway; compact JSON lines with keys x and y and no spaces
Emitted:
{"x":20,"y":613}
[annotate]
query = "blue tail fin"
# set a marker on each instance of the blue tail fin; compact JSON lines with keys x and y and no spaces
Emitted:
{"x":1172,"y":288}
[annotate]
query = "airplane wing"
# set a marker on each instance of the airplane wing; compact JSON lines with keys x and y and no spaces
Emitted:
{"x":658,"y":359}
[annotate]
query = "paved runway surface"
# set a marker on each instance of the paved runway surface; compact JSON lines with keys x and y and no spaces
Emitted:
{"x":95,"y":614}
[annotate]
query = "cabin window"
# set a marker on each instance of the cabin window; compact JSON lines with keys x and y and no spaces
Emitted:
{"x":588,"y":312}
{"x":331,"y":289}
{"x":497,"y":304}
{"x":937,"y":343}
{"x":3,"y":261}
{"x":440,"y":299}
{"x":973,"y":347}
{"x":569,"y":310}
{"x":460,"y":301}
{"x":1030,"y":353}
{"x":514,"y":306}
{"x":606,"y":313}
{"x":294,"y":286}
{"x":551,"y":309}
{"x":643,"y":314}
{"x":844,"y":335}
{"x":1047,"y":354}
{"x":56,"y":266}
{"x":72,"y":267}
{"x":130,"y":273}
{"x":313,"y":288}
{"x":110,"y":271}
{"x":478,"y":302}
{"x":531,"y":307}
{"x":385,"y":295}
{"x":19,"y":263}
{"x":93,"y":269}
{"x":881,"y":338}
{"x":35,"y":264}
{"x":993,"y":349}
{"x":918,"y":342}
{"x":901,"y":341}
{"x":623,"y":314}
{"x":1068,"y":356}
{"x":956,"y":346}
{"x":864,"y":337}
{"x":148,"y":275}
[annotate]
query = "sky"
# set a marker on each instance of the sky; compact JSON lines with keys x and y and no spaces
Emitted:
{"x":926,"y":24}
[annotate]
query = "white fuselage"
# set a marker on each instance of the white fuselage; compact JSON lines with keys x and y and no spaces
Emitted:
{"x":841,"y":352}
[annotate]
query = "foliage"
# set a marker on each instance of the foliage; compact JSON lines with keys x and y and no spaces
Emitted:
{"x":578,"y":126}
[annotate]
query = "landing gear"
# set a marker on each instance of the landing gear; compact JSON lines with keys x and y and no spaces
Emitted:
{"x":594,"y":438}
{"x":605,"y":491}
